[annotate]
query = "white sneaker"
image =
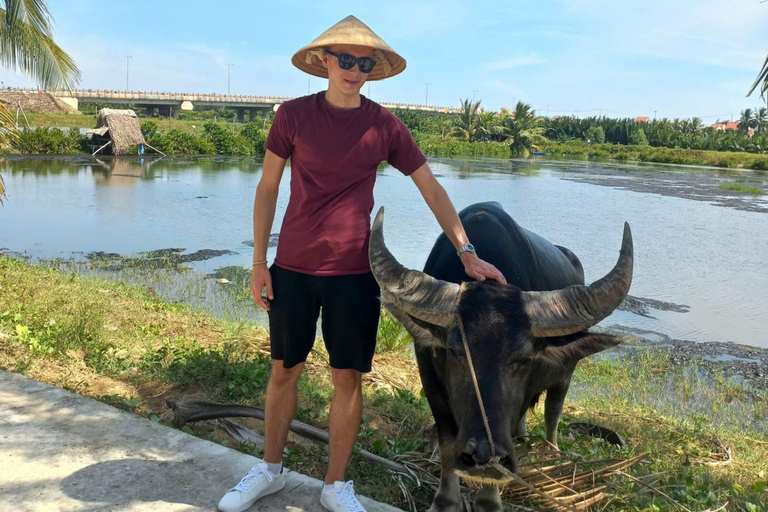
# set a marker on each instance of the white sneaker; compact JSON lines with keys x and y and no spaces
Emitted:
{"x":341,"y":498}
{"x":259,"y":482}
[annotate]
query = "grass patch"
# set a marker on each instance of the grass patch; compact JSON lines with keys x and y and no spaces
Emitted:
{"x":738,"y":187}
{"x":123,"y":345}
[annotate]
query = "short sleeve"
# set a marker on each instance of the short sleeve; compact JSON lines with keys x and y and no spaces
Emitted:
{"x":403,"y":153}
{"x":280,"y":138}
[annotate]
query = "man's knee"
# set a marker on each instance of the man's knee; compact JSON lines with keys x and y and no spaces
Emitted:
{"x":282,"y":376}
{"x":346,"y":380}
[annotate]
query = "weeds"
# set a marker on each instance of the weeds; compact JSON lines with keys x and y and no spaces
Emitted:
{"x":737,"y":187}
{"x":125,"y":346}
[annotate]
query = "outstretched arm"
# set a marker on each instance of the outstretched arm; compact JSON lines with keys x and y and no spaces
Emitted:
{"x":440,"y":204}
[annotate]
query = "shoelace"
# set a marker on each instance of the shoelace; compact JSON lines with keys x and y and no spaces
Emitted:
{"x":252,"y":477}
{"x":346,"y":496}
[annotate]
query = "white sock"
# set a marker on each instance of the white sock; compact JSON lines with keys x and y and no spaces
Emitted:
{"x":275,"y":468}
{"x":327,"y":487}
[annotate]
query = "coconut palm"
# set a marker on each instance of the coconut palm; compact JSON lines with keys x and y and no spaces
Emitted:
{"x":746,"y":121}
{"x":468,"y":124}
{"x":761,"y":120}
{"x":26,"y":45}
{"x":523,"y":129}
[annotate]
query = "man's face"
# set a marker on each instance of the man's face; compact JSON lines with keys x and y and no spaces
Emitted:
{"x":346,"y":81}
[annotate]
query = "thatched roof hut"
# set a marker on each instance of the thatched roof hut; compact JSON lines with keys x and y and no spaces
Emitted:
{"x":121,"y":127}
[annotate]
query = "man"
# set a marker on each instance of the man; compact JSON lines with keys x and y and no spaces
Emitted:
{"x":336,"y":139}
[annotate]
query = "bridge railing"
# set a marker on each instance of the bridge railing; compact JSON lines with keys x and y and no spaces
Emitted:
{"x":137,"y":96}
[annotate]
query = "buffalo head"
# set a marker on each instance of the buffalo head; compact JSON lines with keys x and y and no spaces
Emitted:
{"x":521,"y":343}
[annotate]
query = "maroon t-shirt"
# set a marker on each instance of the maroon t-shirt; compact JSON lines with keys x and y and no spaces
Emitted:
{"x":334,"y":156}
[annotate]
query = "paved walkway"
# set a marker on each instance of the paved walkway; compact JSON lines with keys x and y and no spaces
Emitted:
{"x":65,"y":452}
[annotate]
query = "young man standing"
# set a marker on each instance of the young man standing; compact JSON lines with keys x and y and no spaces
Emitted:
{"x":336,"y":139}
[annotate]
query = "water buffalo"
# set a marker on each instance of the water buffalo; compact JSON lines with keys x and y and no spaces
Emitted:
{"x":524,"y":338}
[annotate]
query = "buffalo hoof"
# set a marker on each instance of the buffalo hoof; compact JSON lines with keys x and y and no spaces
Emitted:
{"x":488,"y":499}
{"x":445,"y":504}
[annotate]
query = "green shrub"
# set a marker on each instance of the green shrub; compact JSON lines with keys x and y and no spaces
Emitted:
{"x":253,"y":133}
{"x":638,"y":138}
{"x":596,"y":135}
{"x":51,"y":141}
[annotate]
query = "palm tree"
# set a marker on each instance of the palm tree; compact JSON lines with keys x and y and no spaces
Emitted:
{"x":523,"y":129}
{"x":746,"y":121}
{"x":696,"y":123}
{"x":26,"y":45}
{"x":468,"y":125}
{"x":761,"y":119}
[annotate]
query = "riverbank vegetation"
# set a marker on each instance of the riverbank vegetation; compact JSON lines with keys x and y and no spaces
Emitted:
{"x":705,"y":435}
{"x":473,"y":132}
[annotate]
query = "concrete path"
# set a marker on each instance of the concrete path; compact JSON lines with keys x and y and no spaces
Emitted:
{"x":65,"y":452}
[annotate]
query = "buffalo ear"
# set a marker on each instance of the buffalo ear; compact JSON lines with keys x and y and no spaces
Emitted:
{"x":569,"y":350}
{"x":424,"y":334}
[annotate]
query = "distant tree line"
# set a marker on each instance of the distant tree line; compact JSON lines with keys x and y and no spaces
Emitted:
{"x":523,"y":131}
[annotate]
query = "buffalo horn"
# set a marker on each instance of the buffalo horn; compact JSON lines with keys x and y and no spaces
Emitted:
{"x":575,"y":308}
{"x":418,"y":294}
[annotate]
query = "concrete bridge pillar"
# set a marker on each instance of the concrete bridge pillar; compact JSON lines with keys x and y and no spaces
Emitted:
{"x":240,"y":115}
{"x":172,"y":110}
{"x":252,"y":114}
{"x":149,"y":111}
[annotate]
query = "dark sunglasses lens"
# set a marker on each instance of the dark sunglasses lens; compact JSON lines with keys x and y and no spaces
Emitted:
{"x":346,"y":61}
{"x":366,"y":64}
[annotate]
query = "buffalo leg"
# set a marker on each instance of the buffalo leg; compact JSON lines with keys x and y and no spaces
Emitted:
{"x":488,"y":499}
{"x":553,"y":409}
{"x":448,"y":495}
{"x":521,"y":433}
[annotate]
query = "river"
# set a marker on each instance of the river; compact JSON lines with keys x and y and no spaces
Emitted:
{"x":697,"y":247}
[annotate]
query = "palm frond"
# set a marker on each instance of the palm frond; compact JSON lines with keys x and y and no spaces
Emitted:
{"x":8,"y":135}
{"x":33,"y":12}
{"x":762,"y":78}
{"x":26,"y":48}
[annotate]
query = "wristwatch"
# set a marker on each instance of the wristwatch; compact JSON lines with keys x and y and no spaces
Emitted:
{"x":465,"y":248}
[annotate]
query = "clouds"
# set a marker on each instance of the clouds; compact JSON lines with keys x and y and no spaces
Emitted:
{"x":681,"y":58}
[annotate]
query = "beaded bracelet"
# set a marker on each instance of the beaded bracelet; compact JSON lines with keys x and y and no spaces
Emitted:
{"x":258,"y":263}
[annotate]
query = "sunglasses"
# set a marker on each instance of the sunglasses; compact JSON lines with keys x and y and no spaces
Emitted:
{"x":347,"y":61}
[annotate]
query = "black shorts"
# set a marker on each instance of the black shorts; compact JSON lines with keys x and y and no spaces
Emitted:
{"x":350,"y":317}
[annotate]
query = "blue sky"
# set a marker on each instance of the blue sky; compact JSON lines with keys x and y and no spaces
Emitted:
{"x":680,"y":58}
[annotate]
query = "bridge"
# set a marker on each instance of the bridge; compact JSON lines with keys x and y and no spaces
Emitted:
{"x":170,"y":103}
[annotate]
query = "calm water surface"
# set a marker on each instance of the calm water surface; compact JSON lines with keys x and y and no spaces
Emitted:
{"x":694,"y":244}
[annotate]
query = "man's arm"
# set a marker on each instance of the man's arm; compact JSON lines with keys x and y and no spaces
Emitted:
{"x":263,"y":215}
{"x":440,"y":204}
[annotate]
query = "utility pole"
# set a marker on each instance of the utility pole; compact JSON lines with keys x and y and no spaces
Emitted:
{"x":473,"y":94}
{"x":600,"y":114}
{"x":127,"y":61}
{"x":426,"y":96}
{"x":654,"y":115}
{"x":229,"y":68}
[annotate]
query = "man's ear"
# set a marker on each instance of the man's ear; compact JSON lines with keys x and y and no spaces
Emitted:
{"x":325,"y":60}
{"x":569,"y":350}
{"x":424,"y":334}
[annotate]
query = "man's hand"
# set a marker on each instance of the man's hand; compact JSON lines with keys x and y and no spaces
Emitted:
{"x":260,"y":279}
{"x":480,"y":270}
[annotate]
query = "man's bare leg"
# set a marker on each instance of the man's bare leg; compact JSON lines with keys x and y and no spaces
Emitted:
{"x":344,"y":421}
{"x":280,"y":409}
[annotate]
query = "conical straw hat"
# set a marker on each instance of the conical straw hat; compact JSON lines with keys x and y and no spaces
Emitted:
{"x":350,"y":30}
